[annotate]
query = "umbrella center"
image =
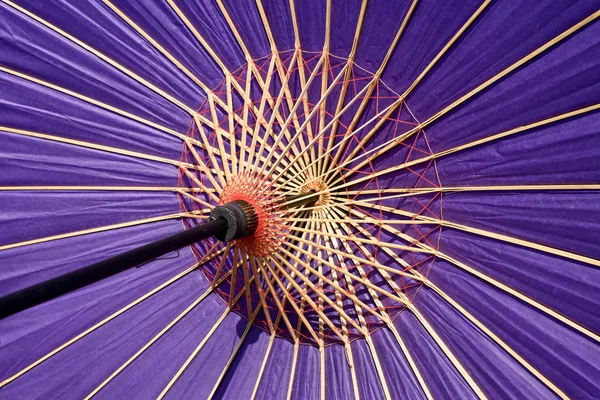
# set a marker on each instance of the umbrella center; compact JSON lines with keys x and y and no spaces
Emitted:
{"x":259,"y":193}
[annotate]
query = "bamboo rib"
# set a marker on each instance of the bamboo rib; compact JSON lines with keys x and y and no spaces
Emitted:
{"x":324,"y":78}
{"x":368,"y":339}
{"x":526,"y":299}
{"x":429,"y":67}
{"x":262,"y":367}
{"x":383,"y":148}
{"x":95,"y":230}
{"x":193,"y":355}
{"x":155,"y":338}
{"x":514,"y":293}
{"x":209,"y":256}
{"x":91,"y":101}
{"x":292,"y":108}
{"x":347,"y":273}
{"x":203,"y":167}
{"x":202,"y":343}
{"x":201,"y":185}
{"x":348,"y":74}
{"x":94,"y":146}
{"x":315,"y":306}
{"x":490,"y":334}
{"x":220,"y":144}
{"x":101,"y":56}
{"x":293,"y":371}
{"x":284,"y":129}
{"x":320,"y":295}
{"x":374,"y":242}
{"x":462,"y":371}
{"x":261,"y":295}
{"x":98,"y":188}
{"x":254,"y":69}
{"x":210,"y":95}
{"x":277,"y":301}
{"x":245,"y":263}
{"x":290,"y":298}
{"x":376,"y":78}
{"x":504,"y":238}
{"x":452,"y":189}
{"x":488,"y":139}
{"x":233,"y":354}
{"x":206,"y":144}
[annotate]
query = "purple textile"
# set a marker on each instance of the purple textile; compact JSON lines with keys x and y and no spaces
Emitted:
{"x":563,"y":79}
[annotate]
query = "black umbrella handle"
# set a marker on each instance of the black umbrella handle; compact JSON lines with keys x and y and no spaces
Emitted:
{"x":228,"y":222}
{"x":63,"y":284}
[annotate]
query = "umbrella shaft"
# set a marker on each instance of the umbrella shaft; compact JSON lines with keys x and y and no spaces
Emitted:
{"x":63,"y":284}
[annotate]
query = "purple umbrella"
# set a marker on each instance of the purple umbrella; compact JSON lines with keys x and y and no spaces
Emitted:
{"x":420,"y":180}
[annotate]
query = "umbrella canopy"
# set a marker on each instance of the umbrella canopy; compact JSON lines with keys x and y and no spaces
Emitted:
{"x":452,"y":247}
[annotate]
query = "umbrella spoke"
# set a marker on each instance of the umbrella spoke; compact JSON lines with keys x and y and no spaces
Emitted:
{"x":373,"y":83}
{"x":475,"y":143}
{"x":390,"y":144}
{"x":490,"y":334}
{"x":101,"y":229}
{"x":209,"y":256}
{"x":155,"y":338}
{"x":94,"y":146}
{"x":102,"y":56}
{"x":448,"y":353}
{"x":510,"y":291}
{"x":368,"y":338}
{"x":91,"y":101}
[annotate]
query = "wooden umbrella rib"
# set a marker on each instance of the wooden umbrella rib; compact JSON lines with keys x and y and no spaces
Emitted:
{"x":280,"y":306}
{"x":98,"y":188}
{"x":211,"y":154}
{"x":95,"y":230}
{"x":315,"y":306}
{"x":448,"y":353}
{"x":101,"y":56}
{"x":193,"y":355}
{"x":262,"y":367}
{"x":368,"y":339}
{"x":293,"y":370}
{"x":94,"y":146}
{"x":377,"y":76}
{"x":348,"y":72}
{"x":203,"y":166}
{"x":261,"y":295}
{"x":201,"y":345}
{"x":233,"y":354}
{"x":200,"y":184}
{"x":427,"y":69}
{"x":154,"y":339}
{"x":216,"y":58}
{"x":91,"y":101}
{"x":478,"y":142}
{"x":220,"y":143}
{"x":209,"y":256}
{"x":320,"y":166}
{"x":349,"y":274}
{"x":490,"y":334}
{"x":284,"y":129}
{"x":252,"y":67}
{"x":509,"y":290}
{"x":374,"y":242}
{"x":383,"y":148}
{"x":290,"y":298}
{"x":319,"y":294}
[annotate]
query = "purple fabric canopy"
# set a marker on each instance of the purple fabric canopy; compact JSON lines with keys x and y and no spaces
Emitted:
{"x":454,"y":251}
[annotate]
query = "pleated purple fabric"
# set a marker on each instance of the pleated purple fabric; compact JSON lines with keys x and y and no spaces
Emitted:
{"x":511,"y":304}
